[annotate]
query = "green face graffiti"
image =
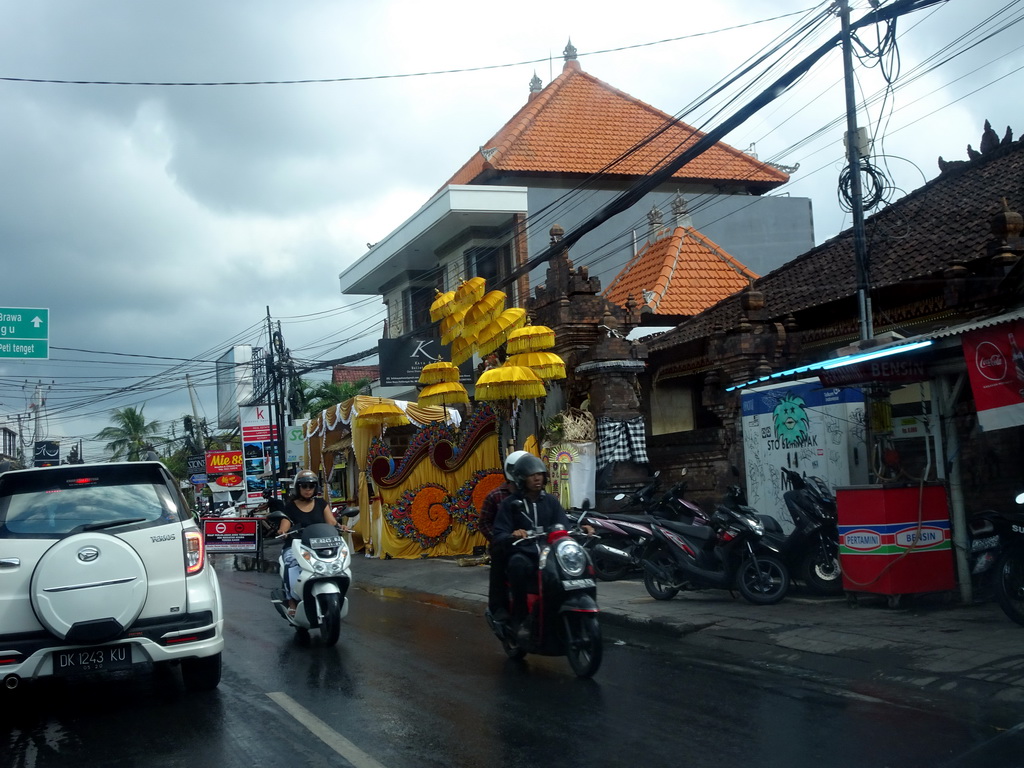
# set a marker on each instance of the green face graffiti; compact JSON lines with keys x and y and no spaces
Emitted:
{"x":791,"y":422}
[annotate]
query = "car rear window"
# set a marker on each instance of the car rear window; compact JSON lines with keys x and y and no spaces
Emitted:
{"x":56,"y":503}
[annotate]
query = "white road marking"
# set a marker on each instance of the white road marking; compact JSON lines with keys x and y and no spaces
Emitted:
{"x":324,"y":732}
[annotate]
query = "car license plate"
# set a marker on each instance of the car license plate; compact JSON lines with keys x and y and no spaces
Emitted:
{"x":109,"y":658}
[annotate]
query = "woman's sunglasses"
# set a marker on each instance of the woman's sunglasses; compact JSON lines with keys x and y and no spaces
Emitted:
{"x":305,"y":485}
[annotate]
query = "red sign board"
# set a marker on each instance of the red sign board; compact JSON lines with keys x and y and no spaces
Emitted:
{"x":220,"y":462}
{"x":995,"y":365}
{"x":231,"y":534}
{"x":892,"y":371}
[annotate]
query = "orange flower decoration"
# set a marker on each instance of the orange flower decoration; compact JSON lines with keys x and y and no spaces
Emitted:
{"x":429,"y":512}
{"x":484,"y":486}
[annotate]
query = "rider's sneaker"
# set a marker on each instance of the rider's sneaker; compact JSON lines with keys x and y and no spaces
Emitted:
{"x":521,"y":632}
{"x":499,"y":615}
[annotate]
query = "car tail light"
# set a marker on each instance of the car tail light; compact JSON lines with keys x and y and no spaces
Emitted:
{"x":195,"y":552}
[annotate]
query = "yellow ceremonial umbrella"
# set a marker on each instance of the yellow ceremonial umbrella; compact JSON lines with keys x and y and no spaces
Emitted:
{"x":443,"y":393}
{"x":385,"y":413}
{"x":496,"y":332}
{"x":483,"y":311}
{"x":530,"y":338}
{"x":470,"y":292}
{"x":436,"y":373}
{"x":509,"y":382}
{"x":547,"y":365}
{"x":462,"y":350}
{"x":452,"y":326}
{"x":443,"y":305}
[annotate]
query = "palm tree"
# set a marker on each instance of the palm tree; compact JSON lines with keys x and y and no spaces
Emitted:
{"x":326,"y":394}
{"x":130,"y":435}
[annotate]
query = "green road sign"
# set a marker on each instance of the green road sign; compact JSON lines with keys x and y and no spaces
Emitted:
{"x":24,"y":333}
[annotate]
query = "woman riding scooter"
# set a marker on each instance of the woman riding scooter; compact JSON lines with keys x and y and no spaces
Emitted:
{"x":303,"y":508}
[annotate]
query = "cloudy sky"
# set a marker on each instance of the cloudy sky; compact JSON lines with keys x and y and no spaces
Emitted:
{"x":158,"y":223}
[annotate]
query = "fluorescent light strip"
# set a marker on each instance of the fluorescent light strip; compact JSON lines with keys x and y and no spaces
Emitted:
{"x":864,"y":357}
{"x":838,"y":363}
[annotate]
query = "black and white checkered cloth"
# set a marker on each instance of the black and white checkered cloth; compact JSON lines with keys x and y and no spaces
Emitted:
{"x":621,"y":441}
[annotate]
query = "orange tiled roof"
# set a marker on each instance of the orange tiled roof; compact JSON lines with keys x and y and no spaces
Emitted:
{"x":944,"y":222}
{"x":681,"y":273}
{"x":351,"y":374}
{"x":580,"y":125}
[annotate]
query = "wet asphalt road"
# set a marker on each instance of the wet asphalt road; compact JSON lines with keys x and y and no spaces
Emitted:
{"x":419,"y":682}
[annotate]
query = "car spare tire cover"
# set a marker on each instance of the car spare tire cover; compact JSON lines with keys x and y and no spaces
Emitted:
{"x":89,"y":577}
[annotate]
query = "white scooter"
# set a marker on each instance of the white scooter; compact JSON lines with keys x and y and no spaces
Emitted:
{"x":325,"y":575}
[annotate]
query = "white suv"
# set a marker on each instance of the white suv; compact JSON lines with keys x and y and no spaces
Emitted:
{"x":103,"y":568}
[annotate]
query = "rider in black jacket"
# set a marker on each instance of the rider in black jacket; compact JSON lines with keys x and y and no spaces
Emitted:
{"x":528,"y":509}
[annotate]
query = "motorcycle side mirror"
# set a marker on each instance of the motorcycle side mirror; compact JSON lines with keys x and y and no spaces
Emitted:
{"x":620,"y":496}
{"x":350,"y":512}
{"x":1020,"y":498}
{"x":585,"y":506}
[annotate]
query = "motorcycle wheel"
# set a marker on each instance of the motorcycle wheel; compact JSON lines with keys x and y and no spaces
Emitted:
{"x":654,"y":586}
{"x":330,"y":625}
{"x":1009,"y":585}
{"x":821,"y":572}
{"x":606,"y":568}
{"x":765,"y":584}
{"x":583,"y":645}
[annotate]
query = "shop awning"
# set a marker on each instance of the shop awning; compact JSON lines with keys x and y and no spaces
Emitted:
{"x":861,"y":367}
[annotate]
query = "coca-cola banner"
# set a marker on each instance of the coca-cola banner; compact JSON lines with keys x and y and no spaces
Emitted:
{"x":995,"y":364}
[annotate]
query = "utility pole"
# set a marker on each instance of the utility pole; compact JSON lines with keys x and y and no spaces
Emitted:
{"x":276,"y":356}
{"x":22,"y":448}
{"x":38,"y":401}
{"x":853,"y":155}
{"x":197,"y":430}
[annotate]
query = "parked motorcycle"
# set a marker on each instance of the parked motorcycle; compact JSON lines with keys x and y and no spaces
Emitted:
{"x":617,"y":542}
{"x":620,"y":538}
{"x":997,"y":557}
{"x":325,"y":576}
{"x":670,"y":505}
{"x":562,"y":610}
{"x":728,"y":553}
{"x":811,"y":550}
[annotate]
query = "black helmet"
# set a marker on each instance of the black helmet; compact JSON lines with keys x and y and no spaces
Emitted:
{"x":525,"y":466}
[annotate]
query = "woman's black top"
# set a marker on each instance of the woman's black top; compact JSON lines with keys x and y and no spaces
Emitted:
{"x":301,"y":519}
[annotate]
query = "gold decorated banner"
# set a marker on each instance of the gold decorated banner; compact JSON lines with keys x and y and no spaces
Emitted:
{"x":425,"y":503}
{"x":430,"y":500}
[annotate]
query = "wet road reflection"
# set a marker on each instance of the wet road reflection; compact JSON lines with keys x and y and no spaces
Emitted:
{"x":423,"y":682}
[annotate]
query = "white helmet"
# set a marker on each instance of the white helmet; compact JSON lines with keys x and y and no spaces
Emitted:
{"x":510,"y":461}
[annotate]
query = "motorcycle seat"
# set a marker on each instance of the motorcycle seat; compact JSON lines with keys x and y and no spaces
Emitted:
{"x":640,"y":517}
{"x":703,"y":532}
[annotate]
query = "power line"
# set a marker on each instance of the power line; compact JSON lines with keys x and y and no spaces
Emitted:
{"x":363,"y":78}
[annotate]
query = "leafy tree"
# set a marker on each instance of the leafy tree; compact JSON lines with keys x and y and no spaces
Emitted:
{"x":130,"y":435}
{"x":177,"y":463}
{"x":300,"y":392}
{"x":325,"y":394}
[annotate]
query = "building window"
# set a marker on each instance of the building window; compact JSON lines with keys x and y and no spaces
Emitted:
{"x":490,"y":263}
{"x":671,"y":410}
{"x":416,"y":303}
